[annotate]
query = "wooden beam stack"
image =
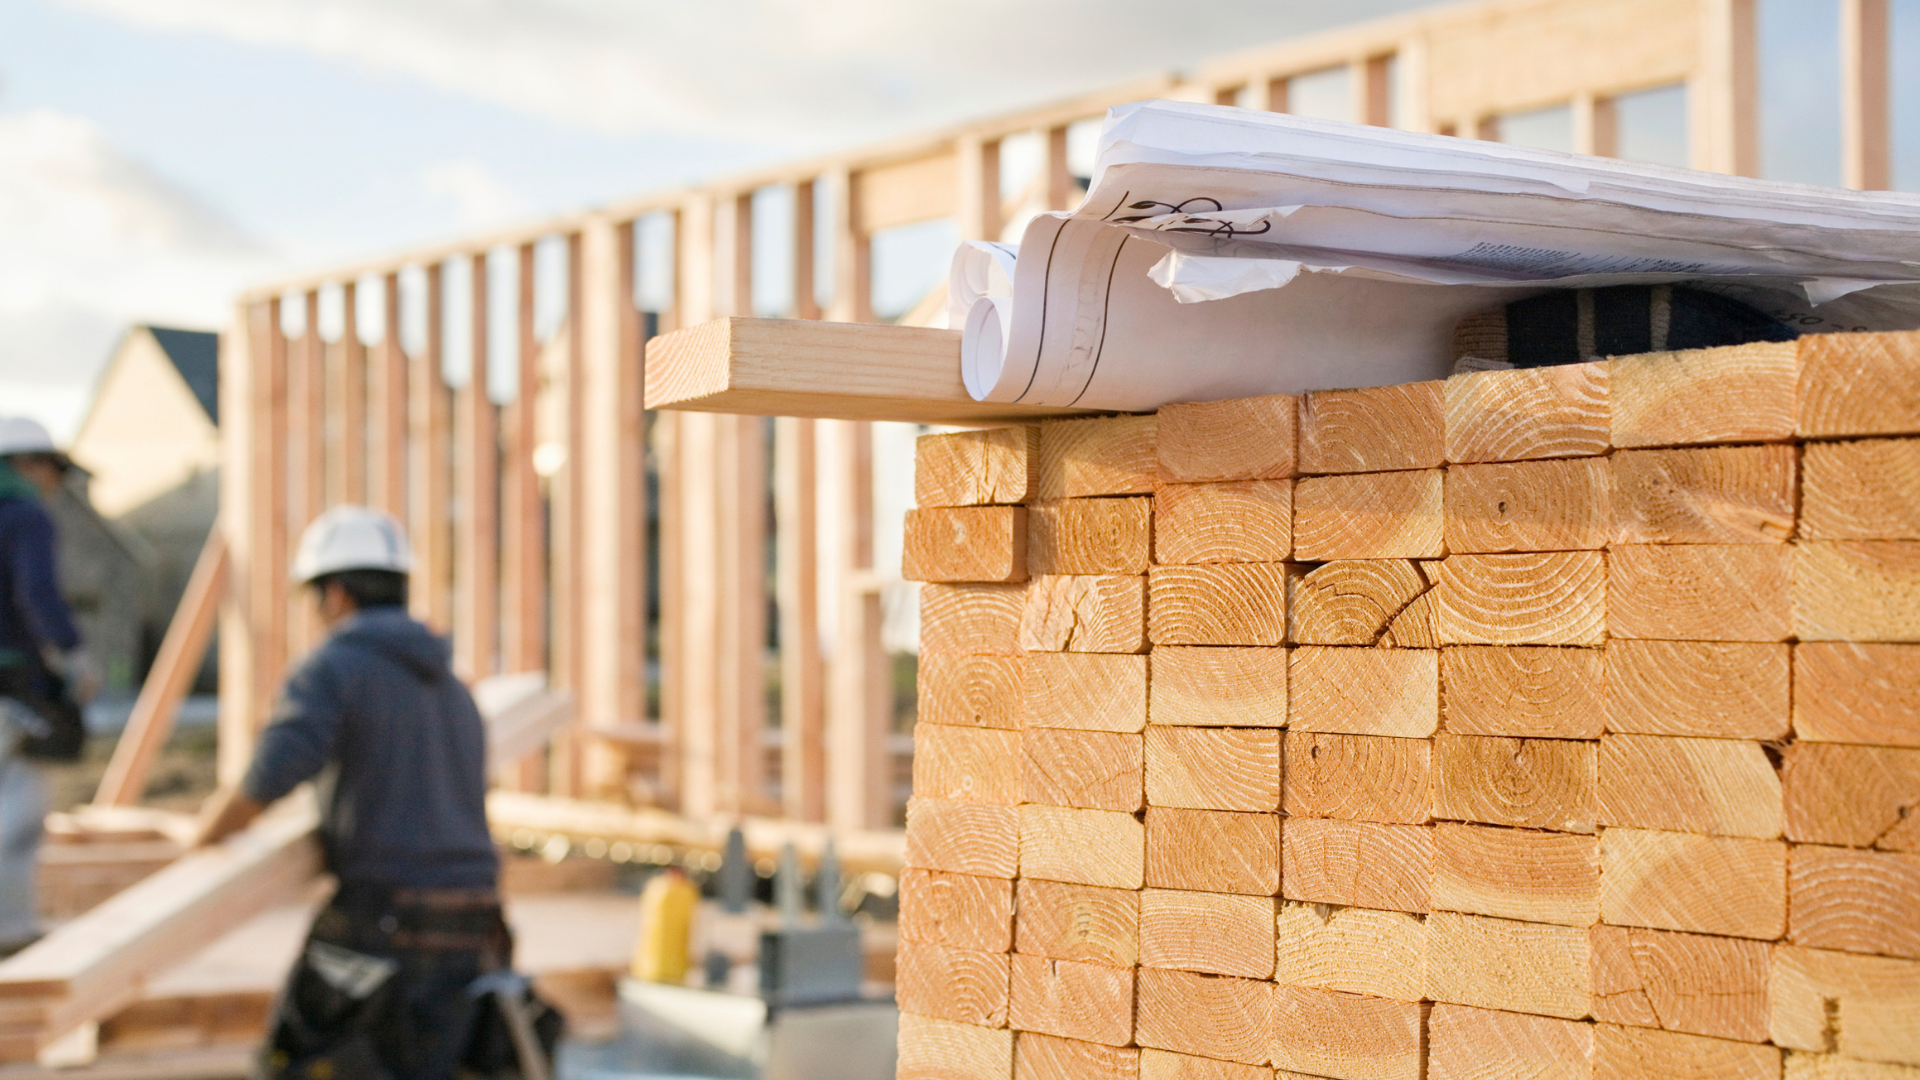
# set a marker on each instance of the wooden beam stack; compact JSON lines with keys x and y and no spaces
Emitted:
{"x":1534,"y":723}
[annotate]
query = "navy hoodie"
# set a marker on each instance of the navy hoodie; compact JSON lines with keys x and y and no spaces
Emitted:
{"x":376,"y":713}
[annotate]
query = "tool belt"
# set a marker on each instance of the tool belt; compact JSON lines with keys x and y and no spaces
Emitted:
{"x":60,"y":731}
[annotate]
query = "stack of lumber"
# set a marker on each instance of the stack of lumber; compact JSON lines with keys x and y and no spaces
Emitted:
{"x":1535,"y":723}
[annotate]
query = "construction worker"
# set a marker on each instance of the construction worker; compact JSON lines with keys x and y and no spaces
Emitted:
{"x":44,"y":672}
{"x":382,"y":988}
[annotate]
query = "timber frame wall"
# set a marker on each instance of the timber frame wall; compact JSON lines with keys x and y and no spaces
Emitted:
{"x":308,"y":423}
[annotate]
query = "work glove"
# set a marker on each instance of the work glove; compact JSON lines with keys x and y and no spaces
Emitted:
{"x":77,"y":668}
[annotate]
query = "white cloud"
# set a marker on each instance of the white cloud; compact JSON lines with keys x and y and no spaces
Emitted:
{"x":479,"y":199}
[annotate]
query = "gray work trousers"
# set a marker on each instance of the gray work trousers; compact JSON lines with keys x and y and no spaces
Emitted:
{"x":23,"y":811}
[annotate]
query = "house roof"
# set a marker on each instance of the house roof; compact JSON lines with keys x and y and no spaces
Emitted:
{"x":196,"y":355}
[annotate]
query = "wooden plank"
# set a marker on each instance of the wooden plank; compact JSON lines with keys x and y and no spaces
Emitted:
{"x":1717,"y":787}
{"x":1731,"y":394}
{"x":1356,"y":950}
{"x":1681,"y":982}
{"x":1357,"y":778}
{"x":1530,"y":692}
{"x":935,"y":1049}
{"x":1216,"y":933}
{"x":523,"y":521}
{"x":1620,"y":1053}
{"x":1857,"y":590}
{"x":1082,"y":847}
{"x":1243,"y":521}
{"x":1700,"y":592}
{"x":1357,"y":863}
{"x":969,"y":695}
{"x":347,"y":482}
{"x":960,"y":985}
{"x":1527,"y":413}
{"x":1350,"y":602}
{"x":1861,"y":1006}
{"x":1559,"y":598}
{"x":968,"y":543}
{"x":1714,"y":689}
{"x":1859,"y":384}
{"x":476,"y":549}
{"x":959,"y":911}
{"x":1518,"y":783}
{"x":1207,"y":768}
{"x":1217,"y":687}
{"x":430,"y":436}
{"x":1536,"y":877}
{"x":1090,"y":536}
{"x":1090,"y":1002}
{"x":978,"y":191}
{"x":969,"y":691}
{"x":971,"y":618}
{"x":1207,"y":1015}
{"x":388,"y":480}
{"x":1085,"y":691}
{"x":1515,"y":966}
{"x":1047,"y":1057}
{"x":1078,"y":922}
{"x":1854,"y":901}
{"x":1240,"y":439}
{"x":998,"y":466}
{"x":1855,"y":693}
{"x":566,"y":768}
{"x":1373,"y":430}
{"x":1717,"y":495}
{"x":1852,"y":796}
{"x":1364,"y":691}
{"x":1704,"y":884}
{"x":1804,"y":1066}
{"x":1092,"y":770}
{"x":845,"y":370}
{"x":966,"y":764}
{"x":1466,"y":1043}
{"x":1166,"y":1065}
{"x":1864,"y":490}
{"x":1097,"y":613}
{"x":1376,"y":515}
{"x":1103,"y":456}
{"x":963,"y":838}
{"x":1335,"y":1034}
{"x":1528,"y":506}
{"x":1232,"y":604}
{"x":1413,"y":628}
{"x":1213,"y":851}
{"x":909,"y":191}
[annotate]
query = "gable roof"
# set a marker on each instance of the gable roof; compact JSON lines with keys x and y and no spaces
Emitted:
{"x":196,"y":355}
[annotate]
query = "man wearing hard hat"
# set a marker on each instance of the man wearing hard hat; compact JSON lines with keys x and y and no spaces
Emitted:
{"x":44,"y":673}
{"x":383,"y":986}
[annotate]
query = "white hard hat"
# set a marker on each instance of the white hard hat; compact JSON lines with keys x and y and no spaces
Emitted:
{"x":351,"y":538}
{"x":21,"y":435}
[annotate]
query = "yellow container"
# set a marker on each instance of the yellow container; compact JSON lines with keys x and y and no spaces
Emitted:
{"x":667,"y":906}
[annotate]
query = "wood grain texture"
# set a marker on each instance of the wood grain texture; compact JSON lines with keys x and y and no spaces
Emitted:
{"x":1364,"y":691}
{"x":1206,"y":768}
{"x":1465,"y":1043}
{"x":1088,"y":691}
{"x":1350,"y":602}
{"x":935,"y":1049}
{"x":1336,"y":1034}
{"x":1719,"y":495}
{"x":1526,"y":413}
{"x":1384,"y":515}
{"x":1732,"y":394}
{"x":1103,"y":613}
{"x":1803,"y":1066}
{"x":1515,"y":966}
{"x":971,"y":618}
{"x":1704,"y":884}
{"x":1234,"y":604}
{"x":959,"y":911}
{"x":998,"y":466}
{"x":969,"y":691}
{"x":1538,"y":877}
{"x":1217,"y":687}
{"x":1865,"y":490}
{"x":1238,"y":439}
{"x":1524,"y":691}
{"x":1852,"y":796}
{"x":1358,"y":778}
{"x":1700,"y":592}
{"x":1207,"y":1015}
{"x":1373,"y":430}
{"x":1559,"y":598}
{"x":1854,"y":901}
{"x":1712,"y":689}
{"x":1167,"y":1065}
{"x":1861,"y":1006}
{"x":963,"y":838}
{"x":1528,"y":506}
{"x":1090,"y":536}
{"x":1102,"y":456}
{"x":966,"y":764}
{"x":1089,"y":1002}
{"x":1717,"y":787}
{"x":1357,"y":863}
{"x":1217,"y":933}
{"x":1857,"y":590}
{"x":1094,"y":770}
{"x":960,"y":985}
{"x":1078,"y":922}
{"x":1358,"y":950}
{"x":1859,"y":384}
{"x":1690,"y":983}
{"x":1629,"y":1053}
{"x":1048,"y":1057}
{"x":1213,"y":851}
{"x":1413,"y":628}
{"x":1242,"y":521}
{"x":1854,"y":693}
{"x":1082,"y":847}
{"x":1519,"y":783}
{"x":965,"y":543}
